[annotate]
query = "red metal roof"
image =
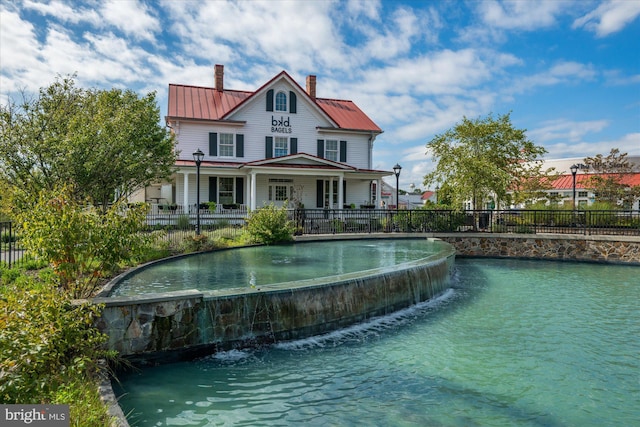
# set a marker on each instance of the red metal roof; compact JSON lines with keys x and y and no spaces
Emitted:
{"x":565,"y":182}
{"x":426,"y":195}
{"x":205,"y":103}
{"x":202,"y":103}
{"x":347,"y":115}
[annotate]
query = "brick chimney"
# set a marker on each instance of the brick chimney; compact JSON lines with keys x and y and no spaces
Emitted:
{"x":311,"y":86}
{"x":219,"y":77}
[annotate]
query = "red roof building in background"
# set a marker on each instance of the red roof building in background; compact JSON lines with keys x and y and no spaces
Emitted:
{"x":278,"y":144}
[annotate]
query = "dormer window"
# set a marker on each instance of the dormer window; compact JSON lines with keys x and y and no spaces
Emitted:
{"x":281,"y":101}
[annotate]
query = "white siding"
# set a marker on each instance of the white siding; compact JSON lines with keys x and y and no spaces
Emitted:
{"x":303,"y":125}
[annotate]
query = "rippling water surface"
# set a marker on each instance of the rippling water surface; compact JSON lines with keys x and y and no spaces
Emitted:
{"x":524,"y":343}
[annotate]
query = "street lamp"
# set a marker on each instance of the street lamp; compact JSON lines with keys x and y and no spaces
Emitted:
{"x":574,"y":171}
{"x":197,"y":157}
{"x":396,"y":170}
{"x":437,"y":189}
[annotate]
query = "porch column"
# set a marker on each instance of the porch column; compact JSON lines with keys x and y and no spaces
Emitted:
{"x":247,"y":192}
{"x":340,"y":192}
{"x":253,"y":178}
{"x":331,"y":192}
{"x":185,"y":194}
{"x":378,"y":193}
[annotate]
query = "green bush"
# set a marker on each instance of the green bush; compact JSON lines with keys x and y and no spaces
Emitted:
{"x":183,"y":222}
{"x":82,"y":245}
{"x":45,"y":340}
{"x":270,"y":225}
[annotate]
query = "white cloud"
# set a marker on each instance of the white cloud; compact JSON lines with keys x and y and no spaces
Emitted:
{"x":65,"y":13}
{"x":629,"y":143}
{"x":609,"y":17}
{"x":565,"y":72}
{"x":131,"y":17}
{"x":296,"y":35}
{"x":565,"y":130}
{"x":519,"y":15}
{"x":367,"y":8}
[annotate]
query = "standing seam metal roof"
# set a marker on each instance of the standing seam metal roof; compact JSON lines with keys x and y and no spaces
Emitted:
{"x":205,"y":103}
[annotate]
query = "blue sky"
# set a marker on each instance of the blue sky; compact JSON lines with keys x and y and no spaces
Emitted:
{"x":569,"y":71}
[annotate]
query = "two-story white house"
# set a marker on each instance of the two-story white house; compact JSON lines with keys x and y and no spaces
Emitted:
{"x":279,"y":143}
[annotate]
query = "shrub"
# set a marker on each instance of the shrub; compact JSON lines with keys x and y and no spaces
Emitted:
{"x":82,"y":244}
{"x":44,"y":341}
{"x":183,"y":222}
{"x":270,"y":225}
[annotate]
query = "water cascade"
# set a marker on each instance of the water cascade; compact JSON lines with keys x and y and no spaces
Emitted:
{"x":183,"y":324}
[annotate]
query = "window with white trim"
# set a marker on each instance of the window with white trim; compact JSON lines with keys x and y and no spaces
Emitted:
{"x":280,"y":146}
{"x":281,"y":101}
{"x":225,"y":192}
{"x":225,"y":145}
{"x":331,"y":150}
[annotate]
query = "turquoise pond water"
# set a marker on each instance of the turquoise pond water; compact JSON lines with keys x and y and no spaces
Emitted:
{"x":264,"y":265}
{"x":512,"y":343}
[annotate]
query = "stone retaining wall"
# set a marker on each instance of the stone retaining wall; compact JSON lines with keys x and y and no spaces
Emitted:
{"x":184,"y":324}
{"x":608,"y":249}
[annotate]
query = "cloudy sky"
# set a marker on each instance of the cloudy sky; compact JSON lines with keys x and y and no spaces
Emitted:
{"x":569,"y":71}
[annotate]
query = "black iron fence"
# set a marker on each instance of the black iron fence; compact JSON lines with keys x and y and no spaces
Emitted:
{"x":11,"y":251}
{"x":229,"y":224}
{"x":587,"y":222}
{"x":175,"y":227}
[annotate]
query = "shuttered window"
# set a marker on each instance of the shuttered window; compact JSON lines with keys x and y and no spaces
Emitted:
{"x":226,"y":146}
{"x":281,"y":101}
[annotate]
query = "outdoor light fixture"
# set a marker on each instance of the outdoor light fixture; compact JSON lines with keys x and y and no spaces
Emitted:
{"x":198,"y":155}
{"x":396,"y":170}
{"x":574,"y":171}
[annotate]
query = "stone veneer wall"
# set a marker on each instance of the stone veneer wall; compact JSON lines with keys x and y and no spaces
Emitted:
{"x":610,"y":249}
{"x":184,"y":324}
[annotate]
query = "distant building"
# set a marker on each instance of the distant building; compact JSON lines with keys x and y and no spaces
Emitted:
{"x":562,"y":187}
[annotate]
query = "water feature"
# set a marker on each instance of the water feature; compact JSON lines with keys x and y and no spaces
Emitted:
{"x":513,"y":342}
{"x":180,"y":308}
{"x":257,"y":266}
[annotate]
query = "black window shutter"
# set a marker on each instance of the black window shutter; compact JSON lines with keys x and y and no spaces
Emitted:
{"x":343,"y":151}
{"x":268,"y":147}
{"x":239,"y":145}
{"x":270,"y":100}
{"x":294,"y":145}
{"x":344,"y":191}
{"x":319,"y":193}
{"x":321,"y":148}
{"x":213,"y":144}
{"x":292,"y":102}
{"x":213,"y":189}
{"x":239,"y":190}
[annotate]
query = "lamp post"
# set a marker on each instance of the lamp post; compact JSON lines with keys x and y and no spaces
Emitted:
{"x":574,"y":171}
{"x":396,"y":170}
{"x":198,"y":155}
{"x":437,"y":189}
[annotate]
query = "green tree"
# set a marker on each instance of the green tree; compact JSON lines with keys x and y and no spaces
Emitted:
{"x":106,"y":144}
{"x":81,"y":244}
{"x":481,"y":159}
{"x":609,"y":179}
